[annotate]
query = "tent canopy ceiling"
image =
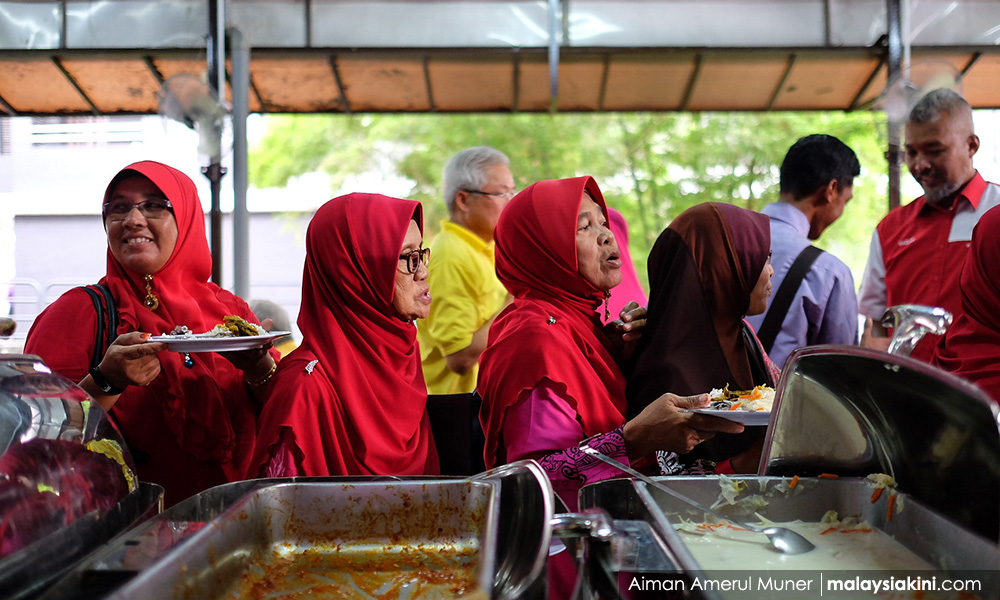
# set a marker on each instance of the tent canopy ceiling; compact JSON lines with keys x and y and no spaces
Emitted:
{"x":324,"y":56}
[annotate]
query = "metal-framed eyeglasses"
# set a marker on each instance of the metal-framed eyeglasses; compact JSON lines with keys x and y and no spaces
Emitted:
{"x":504,"y":195}
{"x":415,"y":257}
{"x":154,"y":208}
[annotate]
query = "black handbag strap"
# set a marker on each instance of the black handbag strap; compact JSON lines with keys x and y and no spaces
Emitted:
{"x":783,"y":298}
{"x":107,"y":320}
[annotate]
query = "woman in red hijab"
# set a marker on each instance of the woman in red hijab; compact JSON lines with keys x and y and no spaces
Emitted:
{"x":550,"y":376}
{"x":971,"y":347}
{"x":708,"y":269}
{"x":189,"y":427}
{"x":351,"y":399}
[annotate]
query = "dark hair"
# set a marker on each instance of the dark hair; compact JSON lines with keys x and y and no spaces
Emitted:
{"x":815,"y":160}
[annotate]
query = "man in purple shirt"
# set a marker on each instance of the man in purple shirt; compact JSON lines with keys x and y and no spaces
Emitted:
{"x":817,"y":181}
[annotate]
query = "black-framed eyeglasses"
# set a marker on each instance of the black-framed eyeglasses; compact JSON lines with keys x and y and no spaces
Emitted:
{"x":154,"y":208}
{"x":504,"y":195}
{"x":415,"y":257}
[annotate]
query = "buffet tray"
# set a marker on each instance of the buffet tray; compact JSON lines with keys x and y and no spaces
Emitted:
{"x":316,"y":538}
{"x":948,"y":546}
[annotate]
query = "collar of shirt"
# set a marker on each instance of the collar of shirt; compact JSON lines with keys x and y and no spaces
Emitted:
{"x":468,"y":237}
{"x":971,"y":193}
{"x":788,"y":214}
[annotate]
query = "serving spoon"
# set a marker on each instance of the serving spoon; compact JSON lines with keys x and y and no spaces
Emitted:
{"x":783,"y":539}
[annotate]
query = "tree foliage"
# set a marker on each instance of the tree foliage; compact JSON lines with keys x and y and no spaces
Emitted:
{"x":651,"y":166}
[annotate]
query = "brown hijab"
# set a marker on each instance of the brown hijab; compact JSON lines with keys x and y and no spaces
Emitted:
{"x":702,"y":270}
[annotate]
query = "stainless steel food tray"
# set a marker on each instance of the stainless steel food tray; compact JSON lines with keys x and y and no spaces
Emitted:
{"x":943,"y":543}
{"x":853,"y":411}
{"x":456,"y":519}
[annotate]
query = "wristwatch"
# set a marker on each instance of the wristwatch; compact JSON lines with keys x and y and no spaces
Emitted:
{"x":104,"y":384}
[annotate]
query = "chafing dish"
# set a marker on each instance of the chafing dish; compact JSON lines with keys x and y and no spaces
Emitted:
{"x":52,"y":509}
{"x":491,"y":530}
{"x":842,"y":413}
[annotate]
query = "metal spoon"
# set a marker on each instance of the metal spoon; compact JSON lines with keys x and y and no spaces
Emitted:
{"x":783,"y":539}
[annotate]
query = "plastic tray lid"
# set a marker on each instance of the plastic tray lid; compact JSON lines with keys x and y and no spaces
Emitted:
{"x":852,"y":411}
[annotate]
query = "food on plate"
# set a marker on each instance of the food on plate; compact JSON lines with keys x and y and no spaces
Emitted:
{"x":231,"y":326}
{"x":234,"y":326}
{"x":759,"y":398}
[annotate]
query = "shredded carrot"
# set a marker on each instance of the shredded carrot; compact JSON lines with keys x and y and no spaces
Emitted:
{"x":735,"y":406}
{"x":828,"y":476}
{"x":877,"y":494}
{"x":889,"y":510}
{"x":829,"y":530}
{"x":795,"y":480}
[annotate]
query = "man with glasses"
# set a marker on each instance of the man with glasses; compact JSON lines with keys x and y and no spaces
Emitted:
{"x":467,"y":296}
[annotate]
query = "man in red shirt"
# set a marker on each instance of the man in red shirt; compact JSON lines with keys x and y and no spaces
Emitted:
{"x":918,"y":250}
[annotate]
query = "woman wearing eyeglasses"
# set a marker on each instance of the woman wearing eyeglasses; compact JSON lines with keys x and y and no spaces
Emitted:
{"x":351,"y":399}
{"x":188,"y":426}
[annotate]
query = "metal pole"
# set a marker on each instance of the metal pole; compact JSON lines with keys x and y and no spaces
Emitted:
{"x":894,"y":48}
{"x":553,"y":56}
{"x":240,"y":55}
{"x":214,"y":171}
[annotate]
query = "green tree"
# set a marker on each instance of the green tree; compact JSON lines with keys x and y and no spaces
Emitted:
{"x":651,"y":166}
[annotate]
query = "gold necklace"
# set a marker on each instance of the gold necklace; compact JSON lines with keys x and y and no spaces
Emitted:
{"x":151,"y":301}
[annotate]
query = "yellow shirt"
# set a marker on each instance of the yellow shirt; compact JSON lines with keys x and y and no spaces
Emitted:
{"x":465,"y":295}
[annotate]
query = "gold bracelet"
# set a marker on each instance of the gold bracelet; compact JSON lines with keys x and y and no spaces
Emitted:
{"x":264,"y":378}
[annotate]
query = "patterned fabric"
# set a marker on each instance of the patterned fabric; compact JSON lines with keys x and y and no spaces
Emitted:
{"x":551,"y":331}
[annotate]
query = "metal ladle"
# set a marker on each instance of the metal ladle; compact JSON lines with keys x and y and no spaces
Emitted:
{"x":783,"y":539}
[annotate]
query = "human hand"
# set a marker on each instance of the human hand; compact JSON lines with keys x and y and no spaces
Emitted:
{"x":664,"y":426}
{"x":255,"y":362}
{"x":871,"y":339}
{"x":631,"y":322}
{"x":130,"y":360}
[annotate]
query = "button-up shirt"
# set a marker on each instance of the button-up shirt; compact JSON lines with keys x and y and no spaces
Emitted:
{"x":824,"y":309}
{"x":917,"y":253}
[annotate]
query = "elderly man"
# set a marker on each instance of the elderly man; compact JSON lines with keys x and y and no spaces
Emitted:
{"x":467,"y":294}
{"x":918,"y":250}
{"x":814,"y":302}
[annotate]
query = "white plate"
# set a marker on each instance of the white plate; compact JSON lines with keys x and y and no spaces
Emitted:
{"x":744,"y":417}
{"x":201,"y":343}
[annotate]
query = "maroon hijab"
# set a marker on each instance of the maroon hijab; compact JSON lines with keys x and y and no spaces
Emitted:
{"x":702,"y":270}
{"x":971,"y":347}
{"x":551,"y":331}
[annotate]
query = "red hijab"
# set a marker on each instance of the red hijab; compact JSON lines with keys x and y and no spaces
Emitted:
{"x":371,"y":417}
{"x":551,"y":330}
{"x":702,"y":270}
{"x":971,"y":347}
{"x":204,"y":430}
